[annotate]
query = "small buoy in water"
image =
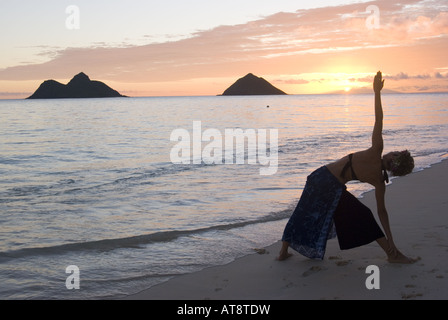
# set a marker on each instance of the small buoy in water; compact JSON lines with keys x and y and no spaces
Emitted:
{"x":267,"y":106}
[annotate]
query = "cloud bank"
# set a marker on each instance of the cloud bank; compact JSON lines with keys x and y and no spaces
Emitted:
{"x":410,"y":44}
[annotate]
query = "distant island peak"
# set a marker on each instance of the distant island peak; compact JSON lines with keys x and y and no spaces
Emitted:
{"x":79,"y":87}
{"x":252,"y":85}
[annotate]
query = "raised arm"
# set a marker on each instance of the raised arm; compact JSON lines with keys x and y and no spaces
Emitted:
{"x":377,"y":136}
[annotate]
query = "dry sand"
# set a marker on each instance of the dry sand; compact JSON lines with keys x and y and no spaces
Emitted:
{"x":418,"y":212}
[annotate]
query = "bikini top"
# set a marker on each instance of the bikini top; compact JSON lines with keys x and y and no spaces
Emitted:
{"x":349,"y":165}
{"x":354,"y":176}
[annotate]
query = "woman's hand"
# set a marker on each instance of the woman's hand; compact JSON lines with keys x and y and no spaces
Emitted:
{"x":378,"y":83}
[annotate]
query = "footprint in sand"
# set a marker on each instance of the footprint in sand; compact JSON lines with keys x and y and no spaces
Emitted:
{"x":411,"y":295}
{"x":225,"y":283}
{"x":312,"y":270}
{"x":261,"y":251}
{"x":342,"y":263}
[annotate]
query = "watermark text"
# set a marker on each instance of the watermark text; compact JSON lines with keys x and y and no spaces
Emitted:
{"x":373,"y":20}
{"x":73,"y":280}
{"x":373,"y":281}
{"x":72,"y":22}
{"x":227,"y":148}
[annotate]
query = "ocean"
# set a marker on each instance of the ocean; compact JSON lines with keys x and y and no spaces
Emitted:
{"x":134,"y":191}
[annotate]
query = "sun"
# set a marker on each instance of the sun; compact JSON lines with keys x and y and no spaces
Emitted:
{"x":347,"y":89}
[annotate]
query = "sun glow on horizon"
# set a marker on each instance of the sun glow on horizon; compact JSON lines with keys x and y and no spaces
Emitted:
{"x":329,"y":49}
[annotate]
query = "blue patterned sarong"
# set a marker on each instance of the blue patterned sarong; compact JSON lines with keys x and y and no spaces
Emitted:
{"x":311,"y":224}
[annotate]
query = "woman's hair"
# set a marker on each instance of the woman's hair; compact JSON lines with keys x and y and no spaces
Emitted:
{"x":403,"y":164}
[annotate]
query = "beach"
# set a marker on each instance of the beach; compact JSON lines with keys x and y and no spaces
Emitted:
{"x":95,"y":188}
{"x":417,"y":207}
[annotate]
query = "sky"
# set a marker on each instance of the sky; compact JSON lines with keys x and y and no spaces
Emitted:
{"x":200,"y":47}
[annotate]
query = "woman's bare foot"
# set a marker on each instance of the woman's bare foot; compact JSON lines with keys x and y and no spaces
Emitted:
{"x":393,"y":254}
{"x":401,"y":258}
{"x":283,"y":255}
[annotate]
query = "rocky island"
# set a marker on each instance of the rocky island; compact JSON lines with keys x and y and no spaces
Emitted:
{"x":252,"y":85}
{"x":79,"y":87}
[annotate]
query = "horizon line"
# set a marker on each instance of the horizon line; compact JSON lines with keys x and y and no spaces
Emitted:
{"x":220,"y":95}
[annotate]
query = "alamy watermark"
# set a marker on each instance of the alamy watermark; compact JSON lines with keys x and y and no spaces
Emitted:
{"x":373,"y":280}
{"x":227,"y":148}
{"x":73,"y":280}
{"x":373,"y":20}
{"x":73,"y":20}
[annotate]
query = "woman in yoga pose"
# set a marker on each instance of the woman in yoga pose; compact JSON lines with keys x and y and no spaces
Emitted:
{"x":327,"y":209}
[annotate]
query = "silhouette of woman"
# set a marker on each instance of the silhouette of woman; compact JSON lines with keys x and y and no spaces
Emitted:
{"x":326,"y":209}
